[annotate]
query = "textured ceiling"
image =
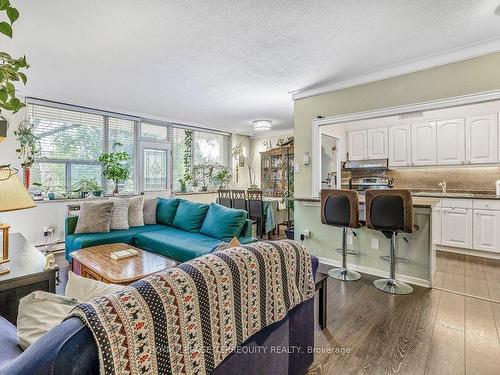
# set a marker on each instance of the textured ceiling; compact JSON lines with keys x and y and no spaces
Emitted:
{"x":225,"y":63}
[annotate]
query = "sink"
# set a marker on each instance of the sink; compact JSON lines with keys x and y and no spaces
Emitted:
{"x":437,"y":194}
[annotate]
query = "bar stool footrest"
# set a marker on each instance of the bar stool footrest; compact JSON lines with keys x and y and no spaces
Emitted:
{"x":398,"y":259}
{"x":393,"y":286}
{"x":349,"y":251}
{"x":344,"y":274}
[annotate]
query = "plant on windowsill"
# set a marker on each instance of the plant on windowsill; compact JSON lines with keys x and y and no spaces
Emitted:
{"x":115,"y":166}
{"x":86,"y":186}
{"x":222,"y":178}
{"x":48,"y":189}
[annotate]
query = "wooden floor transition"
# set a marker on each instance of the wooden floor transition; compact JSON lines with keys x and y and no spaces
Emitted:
{"x":428,"y":332}
{"x":467,"y":274}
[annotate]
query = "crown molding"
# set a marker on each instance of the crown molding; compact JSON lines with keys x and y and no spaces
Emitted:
{"x":272,"y":133}
{"x":431,"y":61}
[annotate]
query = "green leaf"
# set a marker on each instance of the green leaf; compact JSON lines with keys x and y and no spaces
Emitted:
{"x":4,"y":4}
{"x":23,"y":77}
{"x":10,"y":88}
{"x":3,"y":95}
{"x":6,"y":29}
{"x":13,"y":14}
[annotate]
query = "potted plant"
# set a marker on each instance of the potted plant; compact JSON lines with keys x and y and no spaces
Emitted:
{"x":29,"y":148}
{"x":86,"y":186}
{"x":222,"y":178}
{"x":115,"y":166}
{"x":183,"y":183}
{"x":47,"y":188}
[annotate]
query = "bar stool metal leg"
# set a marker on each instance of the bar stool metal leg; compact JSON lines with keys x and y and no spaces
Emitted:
{"x":342,"y":273}
{"x":391,"y":285}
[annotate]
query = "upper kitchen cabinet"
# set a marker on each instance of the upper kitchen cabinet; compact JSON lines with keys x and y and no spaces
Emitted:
{"x":377,"y":143}
{"x":423,"y":143}
{"x":400,"y":146}
{"x":451,"y":141}
{"x":357,"y":144}
{"x":481,"y":139}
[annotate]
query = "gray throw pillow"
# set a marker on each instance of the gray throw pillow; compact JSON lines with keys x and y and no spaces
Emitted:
{"x":149,"y":210}
{"x":119,"y":214}
{"x":95,"y":217}
{"x":135,"y":214}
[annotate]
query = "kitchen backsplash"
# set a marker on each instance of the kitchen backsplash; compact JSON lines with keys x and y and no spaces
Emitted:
{"x":459,"y":179}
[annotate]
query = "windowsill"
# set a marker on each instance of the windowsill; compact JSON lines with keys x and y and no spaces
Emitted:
{"x":69,"y":200}
{"x":196,"y":192}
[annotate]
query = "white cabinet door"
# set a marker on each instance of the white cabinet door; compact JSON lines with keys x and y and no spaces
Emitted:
{"x":357,"y":143}
{"x":457,"y":227}
{"x":436,"y":226}
{"x":487,"y":230}
{"x":400,"y":146}
{"x":377,"y":143}
{"x":481,"y":139}
{"x":451,"y":141}
{"x":423,"y":146}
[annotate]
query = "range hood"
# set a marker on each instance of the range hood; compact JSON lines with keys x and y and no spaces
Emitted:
{"x":367,"y":164}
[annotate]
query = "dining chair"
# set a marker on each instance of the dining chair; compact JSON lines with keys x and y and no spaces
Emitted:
{"x":239,"y":200}
{"x":225,"y":198}
{"x":256,"y":212}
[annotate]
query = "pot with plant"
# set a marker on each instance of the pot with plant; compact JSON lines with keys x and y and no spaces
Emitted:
{"x":115,"y":165}
{"x":222,"y":178}
{"x":88,"y":186}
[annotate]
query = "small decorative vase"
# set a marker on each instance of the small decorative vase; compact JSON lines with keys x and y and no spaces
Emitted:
{"x":51,"y":196}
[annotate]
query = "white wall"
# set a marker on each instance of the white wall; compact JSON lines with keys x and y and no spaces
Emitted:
{"x":258,"y":143}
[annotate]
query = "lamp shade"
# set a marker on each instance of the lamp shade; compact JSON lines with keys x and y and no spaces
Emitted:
{"x":13,"y":194}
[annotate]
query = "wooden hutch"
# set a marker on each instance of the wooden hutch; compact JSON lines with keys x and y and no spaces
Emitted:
{"x":276,"y":166}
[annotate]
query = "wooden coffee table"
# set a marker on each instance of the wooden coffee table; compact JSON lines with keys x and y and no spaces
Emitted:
{"x":96,"y":263}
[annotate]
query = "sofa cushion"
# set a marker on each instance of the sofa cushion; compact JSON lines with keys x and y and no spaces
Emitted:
{"x":119,"y":214}
{"x":95,"y":217}
{"x":176,"y":244}
{"x":149,"y":210}
{"x":190,"y":215}
{"x":165,"y":210}
{"x":80,"y":241}
{"x":135,"y":214}
{"x":222,"y":222}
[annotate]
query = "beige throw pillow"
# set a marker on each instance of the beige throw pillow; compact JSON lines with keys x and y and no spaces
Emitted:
{"x":95,"y":217}
{"x":84,"y":289}
{"x":149,"y":210}
{"x":119,"y":214}
{"x":39,"y":312}
{"x":135,"y":214}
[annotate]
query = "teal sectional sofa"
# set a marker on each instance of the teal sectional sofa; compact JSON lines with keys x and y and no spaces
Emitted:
{"x":184,"y":230}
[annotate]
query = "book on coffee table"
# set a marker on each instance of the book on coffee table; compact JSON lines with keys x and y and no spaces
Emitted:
{"x":126,"y":253}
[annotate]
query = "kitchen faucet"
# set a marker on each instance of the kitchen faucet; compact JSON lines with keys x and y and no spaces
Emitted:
{"x":443,"y":186}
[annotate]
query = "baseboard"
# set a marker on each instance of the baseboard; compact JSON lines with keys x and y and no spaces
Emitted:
{"x":325,"y":264}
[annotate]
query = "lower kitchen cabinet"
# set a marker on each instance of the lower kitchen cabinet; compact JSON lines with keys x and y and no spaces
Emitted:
{"x":457,"y":227}
{"x":487,"y":230}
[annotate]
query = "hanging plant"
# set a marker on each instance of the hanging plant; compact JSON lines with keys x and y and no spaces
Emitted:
{"x":29,"y":148}
{"x":187,"y":159}
{"x":10,"y":68}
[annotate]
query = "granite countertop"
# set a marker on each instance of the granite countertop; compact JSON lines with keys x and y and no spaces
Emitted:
{"x":456,"y":195}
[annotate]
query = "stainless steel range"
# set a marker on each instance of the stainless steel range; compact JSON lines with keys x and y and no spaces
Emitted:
{"x":361,"y":184}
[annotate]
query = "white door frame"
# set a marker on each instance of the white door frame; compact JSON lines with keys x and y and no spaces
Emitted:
{"x":384,"y":112}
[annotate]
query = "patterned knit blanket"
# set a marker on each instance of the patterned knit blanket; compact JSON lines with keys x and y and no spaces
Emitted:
{"x":187,"y":319}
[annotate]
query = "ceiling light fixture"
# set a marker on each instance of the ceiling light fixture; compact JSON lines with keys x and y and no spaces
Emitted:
{"x":262,"y":125}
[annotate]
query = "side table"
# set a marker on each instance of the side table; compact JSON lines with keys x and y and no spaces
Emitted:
{"x":26,"y":275}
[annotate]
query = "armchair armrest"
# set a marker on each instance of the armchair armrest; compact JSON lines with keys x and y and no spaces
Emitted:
{"x":70,"y":224}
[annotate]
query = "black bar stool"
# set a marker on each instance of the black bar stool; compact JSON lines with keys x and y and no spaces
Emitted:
{"x":390,"y":211}
{"x":340,"y":208}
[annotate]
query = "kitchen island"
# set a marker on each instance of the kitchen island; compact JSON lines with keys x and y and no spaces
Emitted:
{"x":417,"y":247}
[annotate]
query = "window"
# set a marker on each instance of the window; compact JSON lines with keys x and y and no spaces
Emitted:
{"x":71,"y":142}
{"x":162,"y":155}
{"x":197,"y":157}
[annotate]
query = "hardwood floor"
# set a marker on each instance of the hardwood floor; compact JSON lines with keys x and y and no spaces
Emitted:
{"x":474,"y":276}
{"x":428,"y":332}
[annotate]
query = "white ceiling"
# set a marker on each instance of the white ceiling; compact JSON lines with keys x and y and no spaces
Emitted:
{"x":225,"y":63}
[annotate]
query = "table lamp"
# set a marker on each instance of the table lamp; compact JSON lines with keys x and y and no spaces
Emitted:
{"x":13,"y":197}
